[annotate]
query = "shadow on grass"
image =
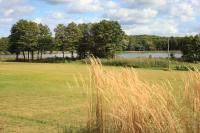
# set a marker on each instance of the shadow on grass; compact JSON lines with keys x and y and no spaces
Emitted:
{"x":45,"y":60}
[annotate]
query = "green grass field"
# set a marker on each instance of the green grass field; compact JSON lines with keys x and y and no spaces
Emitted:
{"x":40,"y":98}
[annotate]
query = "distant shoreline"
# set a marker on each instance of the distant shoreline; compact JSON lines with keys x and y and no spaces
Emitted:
{"x":172,"y":51}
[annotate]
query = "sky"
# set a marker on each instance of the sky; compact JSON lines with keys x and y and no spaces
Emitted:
{"x":151,"y":17}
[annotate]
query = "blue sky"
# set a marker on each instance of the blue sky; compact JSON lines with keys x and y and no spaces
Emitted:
{"x":155,"y":17}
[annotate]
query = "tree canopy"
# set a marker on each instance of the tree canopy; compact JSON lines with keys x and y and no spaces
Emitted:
{"x":60,"y":38}
{"x":24,"y":36}
{"x":191,"y":48}
{"x":73,"y":37}
{"x":107,"y":35}
{"x":45,"y":40}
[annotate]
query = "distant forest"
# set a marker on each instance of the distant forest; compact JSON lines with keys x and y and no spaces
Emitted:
{"x":151,"y":43}
{"x":100,"y":39}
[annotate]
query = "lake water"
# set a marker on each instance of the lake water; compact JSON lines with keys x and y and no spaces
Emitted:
{"x":148,"y":54}
{"x":123,"y":55}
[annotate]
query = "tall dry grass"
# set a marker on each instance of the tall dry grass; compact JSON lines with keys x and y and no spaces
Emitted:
{"x":120,"y":102}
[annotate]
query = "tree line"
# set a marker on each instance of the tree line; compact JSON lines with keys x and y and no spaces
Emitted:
{"x":150,"y":43}
{"x":100,"y":39}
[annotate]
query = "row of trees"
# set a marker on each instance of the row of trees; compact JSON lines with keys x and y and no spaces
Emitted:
{"x":150,"y":43}
{"x":100,"y":39}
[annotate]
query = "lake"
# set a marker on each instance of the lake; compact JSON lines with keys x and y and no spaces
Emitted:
{"x":148,"y":54}
{"x":122,"y":55}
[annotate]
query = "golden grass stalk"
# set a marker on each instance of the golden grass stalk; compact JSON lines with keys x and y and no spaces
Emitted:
{"x":125,"y":104}
{"x":190,"y":105}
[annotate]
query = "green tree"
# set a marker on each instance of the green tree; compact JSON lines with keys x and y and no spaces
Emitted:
{"x":73,"y":37}
{"x":196,"y":48}
{"x":187,"y":48}
{"x":60,"y":37}
{"x":17,"y":37}
{"x":123,"y":45}
{"x":107,"y":35}
{"x":86,"y":41}
{"x":24,"y":35}
{"x":4,"y":45}
{"x":45,"y":40}
{"x":190,"y":47}
{"x":31,"y":36}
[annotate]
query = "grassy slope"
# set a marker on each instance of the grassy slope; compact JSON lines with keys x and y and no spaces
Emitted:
{"x":37,"y":97}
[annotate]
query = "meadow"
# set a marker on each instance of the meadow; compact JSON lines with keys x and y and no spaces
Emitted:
{"x":37,"y":97}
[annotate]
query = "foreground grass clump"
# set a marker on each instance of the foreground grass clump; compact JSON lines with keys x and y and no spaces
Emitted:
{"x":122,"y":103}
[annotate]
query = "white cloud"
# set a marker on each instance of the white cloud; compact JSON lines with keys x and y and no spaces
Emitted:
{"x":57,"y":15}
{"x":158,"y":27}
{"x":152,"y":3}
{"x":18,"y":11}
{"x":5,"y":20}
{"x":131,"y":16}
{"x":160,"y":17}
{"x":111,"y":5}
{"x":52,"y":18}
{"x":195,"y":2}
{"x":79,"y":6}
{"x":14,"y":8}
{"x":11,"y":11}
{"x":82,"y":6}
{"x":184,"y":11}
{"x":38,"y":20}
{"x":57,"y":1}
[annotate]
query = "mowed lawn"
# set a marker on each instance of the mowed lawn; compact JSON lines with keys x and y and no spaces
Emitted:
{"x":40,"y":98}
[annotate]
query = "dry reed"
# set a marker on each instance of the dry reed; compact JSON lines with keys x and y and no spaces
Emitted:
{"x":122,"y":103}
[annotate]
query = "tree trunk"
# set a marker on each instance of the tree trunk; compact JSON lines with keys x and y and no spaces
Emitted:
{"x":17,"y":56}
{"x":24,"y":55}
{"x":63,"y":56}
{"x":38,"y":55}
{"x":32,"y":55}
{"x":72,"y":54}
{"x":28,"y":55}
{"x":41,"y":54}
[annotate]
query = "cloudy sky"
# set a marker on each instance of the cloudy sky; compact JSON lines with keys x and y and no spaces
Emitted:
{"x":158,"y":17}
